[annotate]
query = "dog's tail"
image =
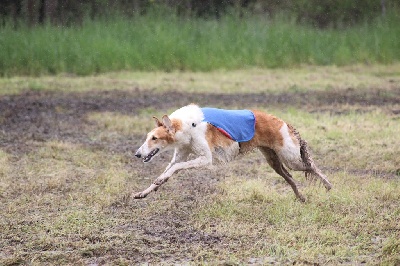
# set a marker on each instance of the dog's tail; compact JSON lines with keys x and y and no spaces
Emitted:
{"x":305,"y":154}
{"x":312,"y":173}
{"x":307,"y":161}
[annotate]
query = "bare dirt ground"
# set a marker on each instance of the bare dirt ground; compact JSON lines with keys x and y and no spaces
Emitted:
{"x":142,"y":232}
{"x":38,"y":115}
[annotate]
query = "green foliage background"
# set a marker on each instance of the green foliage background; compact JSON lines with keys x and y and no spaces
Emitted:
{"x":98,"y":36}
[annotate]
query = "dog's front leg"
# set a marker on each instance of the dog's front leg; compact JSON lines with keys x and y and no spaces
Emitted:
{"x":144,"y":193}
{"x":198,"y":162}
{"x":180,"y":155}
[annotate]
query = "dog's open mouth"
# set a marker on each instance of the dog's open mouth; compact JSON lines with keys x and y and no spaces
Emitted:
{"x":150,"y":155}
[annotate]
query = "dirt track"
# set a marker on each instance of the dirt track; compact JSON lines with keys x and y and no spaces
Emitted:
{"x":42,"y":116}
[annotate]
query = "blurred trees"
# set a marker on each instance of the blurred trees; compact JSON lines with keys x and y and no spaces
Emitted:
{"x":319,"y":13}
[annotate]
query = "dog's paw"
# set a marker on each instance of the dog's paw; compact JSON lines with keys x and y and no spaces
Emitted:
{"x":139,"y":195}
{"x":301,"y":198}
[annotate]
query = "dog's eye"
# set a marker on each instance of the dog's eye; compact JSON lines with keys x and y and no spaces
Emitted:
{"x":153,"y":138}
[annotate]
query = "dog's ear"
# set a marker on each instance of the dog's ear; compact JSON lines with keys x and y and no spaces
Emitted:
{"x":168,"y":124}
{"x":158,"y":123}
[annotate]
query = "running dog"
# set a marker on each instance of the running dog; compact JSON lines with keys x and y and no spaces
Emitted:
{"x":211,"y":133}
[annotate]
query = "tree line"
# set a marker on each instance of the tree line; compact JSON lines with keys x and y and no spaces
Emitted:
{"x":319,"y":13}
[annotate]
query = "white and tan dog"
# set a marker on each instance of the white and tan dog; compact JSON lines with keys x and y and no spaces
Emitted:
{"x":186,"y":132}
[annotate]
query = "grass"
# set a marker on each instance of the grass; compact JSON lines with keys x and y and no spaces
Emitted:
{"x":64,"y":199}
{"x":360,"y":77}
{"x":352,"y":224}
{"x":339,"y":227}
{"x":167,"y":43}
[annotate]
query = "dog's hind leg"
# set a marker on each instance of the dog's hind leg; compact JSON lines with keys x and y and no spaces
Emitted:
{"x":275,"y":163}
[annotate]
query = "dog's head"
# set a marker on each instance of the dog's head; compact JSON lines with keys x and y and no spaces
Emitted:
{"x":160,"y":139}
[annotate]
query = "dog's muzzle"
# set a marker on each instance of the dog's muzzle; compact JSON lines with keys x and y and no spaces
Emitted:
{"x":149,"y":156}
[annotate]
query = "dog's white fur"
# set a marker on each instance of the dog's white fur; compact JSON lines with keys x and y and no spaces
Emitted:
{"x":185,"y":132}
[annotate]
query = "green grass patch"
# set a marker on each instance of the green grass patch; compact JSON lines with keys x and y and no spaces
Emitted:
{"x":170,"y":43}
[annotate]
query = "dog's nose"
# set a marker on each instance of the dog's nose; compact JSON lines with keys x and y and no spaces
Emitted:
{"x":138,"y":155}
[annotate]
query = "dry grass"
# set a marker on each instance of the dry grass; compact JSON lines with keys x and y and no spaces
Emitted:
{"x":250,"y":80}
{"x":65,"y":199}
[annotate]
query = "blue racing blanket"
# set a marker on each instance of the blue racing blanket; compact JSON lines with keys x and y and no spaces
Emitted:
{"x":238,"y":125}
